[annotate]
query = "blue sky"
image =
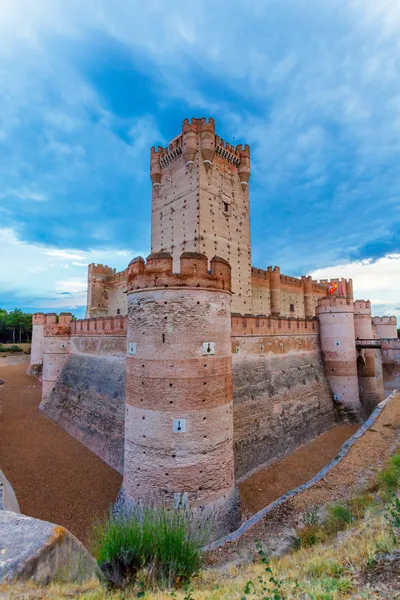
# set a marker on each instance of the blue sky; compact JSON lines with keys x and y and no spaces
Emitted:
{"x":86,"y":88}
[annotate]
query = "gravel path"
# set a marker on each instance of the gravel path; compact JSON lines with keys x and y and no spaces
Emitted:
{"x":55,"y":477}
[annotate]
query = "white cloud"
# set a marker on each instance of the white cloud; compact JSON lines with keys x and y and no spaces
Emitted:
{"x":35,"y":275}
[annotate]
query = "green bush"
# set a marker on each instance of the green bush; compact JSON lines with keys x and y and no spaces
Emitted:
{"x":153,"y":547}
{"x":12,"y":348}
{"x":339,"y":517}
{"x":389,"y":477}
{"x":309,"y":535}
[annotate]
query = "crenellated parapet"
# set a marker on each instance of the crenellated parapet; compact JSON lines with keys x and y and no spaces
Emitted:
{"x":198,"y":135}
{"x":250,"y":325}
{"x":385,"y":327}
{"x":157,"y":272}
{"x":100,"y":326}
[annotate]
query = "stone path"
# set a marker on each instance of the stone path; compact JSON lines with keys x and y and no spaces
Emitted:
{"x":55,"y":477}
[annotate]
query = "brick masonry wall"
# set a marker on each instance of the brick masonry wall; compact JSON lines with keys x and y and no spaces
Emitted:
{"x":89,"y":395}
{"x":281,"y":398}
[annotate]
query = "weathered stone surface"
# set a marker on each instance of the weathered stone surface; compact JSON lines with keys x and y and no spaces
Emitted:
{"x":41,"y":552}
{"x":280,"y":402}
{"x":8,"y":499}
{"x":88,"y":402}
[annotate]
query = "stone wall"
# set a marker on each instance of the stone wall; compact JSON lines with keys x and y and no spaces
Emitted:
{"x":88,"y":402}
{"x":281,"y":398}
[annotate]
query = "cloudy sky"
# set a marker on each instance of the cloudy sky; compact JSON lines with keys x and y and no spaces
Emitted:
{"x":87,"y":87}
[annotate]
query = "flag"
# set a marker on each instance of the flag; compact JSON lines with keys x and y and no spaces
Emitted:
{"x":333,"y":287}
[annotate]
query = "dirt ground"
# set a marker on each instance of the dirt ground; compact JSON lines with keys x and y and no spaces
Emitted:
{"x":55,"y":477}
{"x":348,"y":477}
{"x":269,"y":484}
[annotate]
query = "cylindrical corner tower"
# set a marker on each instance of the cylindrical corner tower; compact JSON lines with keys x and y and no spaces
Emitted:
{"x":370,"y":393}
{"x":36,"y":361}
{"x":179,"y":420}
{"x":56,"y":346}
{"x":336,"y":319}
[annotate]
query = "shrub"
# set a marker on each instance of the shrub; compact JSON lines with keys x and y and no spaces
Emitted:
{"x":389,"y":477}
{"x":153,"y":546}
{"x":339,"y":517}
{"x":309,"y":536}
{"x":12,"y":348}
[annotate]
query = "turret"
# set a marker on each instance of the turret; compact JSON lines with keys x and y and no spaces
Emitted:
{"x":371,"y":391}
{"x":178,"y":387}
{"x":35,"y":366}
{"x":244,"y":166}
{"x":336,"y":320}
{"x":56,"y":348}
{"x":189,"y":141}
{"x":386,"y":327}
{"x":155,"y":165}
{"x":207,"y":141}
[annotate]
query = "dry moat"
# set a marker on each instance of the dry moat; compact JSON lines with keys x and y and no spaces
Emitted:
{"x":57,"y":479}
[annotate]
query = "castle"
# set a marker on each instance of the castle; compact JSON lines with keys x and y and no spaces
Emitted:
{"x":193,"y":369}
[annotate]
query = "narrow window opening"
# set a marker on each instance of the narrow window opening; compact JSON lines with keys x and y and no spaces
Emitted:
{"x":163,"y":338}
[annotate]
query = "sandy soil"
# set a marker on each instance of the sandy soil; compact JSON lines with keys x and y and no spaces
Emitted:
{"x":54,"y":476}
{"x":348,"y":477}
{"x":269,"y":484}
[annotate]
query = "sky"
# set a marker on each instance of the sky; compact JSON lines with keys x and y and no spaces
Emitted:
{"x":86,"y":88}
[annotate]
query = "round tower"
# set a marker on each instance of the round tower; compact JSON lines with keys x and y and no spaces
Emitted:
{"x":38,"y":320}
{"x":386,"y":327}
{"x":244,"y":166}
{"x":155,"y":165}
{"x":189,"y":141}
{"x":337,"y":337}
{"x":179,"y":420}
{"x":366,"y":369}
{"x":207,"y":141}
{"x":56,"y":345}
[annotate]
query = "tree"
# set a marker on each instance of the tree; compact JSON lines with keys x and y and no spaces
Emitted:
{"x":16,"y":325}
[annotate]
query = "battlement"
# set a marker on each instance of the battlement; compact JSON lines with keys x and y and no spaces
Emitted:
{"x":384,"y":320}
{"x":333,"y":304}
{"x":157,"y":272}
{"x":270,"y":325}
{"x":98,"y":269}
{"x":57,"y":325}
{"x":100,"y":326}
{"x":362,"y":307}
{"x":38,"y":319}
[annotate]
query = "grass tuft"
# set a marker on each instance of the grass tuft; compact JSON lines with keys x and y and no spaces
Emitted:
{"x":153,"y":547}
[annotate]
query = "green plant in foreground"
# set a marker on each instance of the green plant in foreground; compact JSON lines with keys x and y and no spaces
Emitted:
{"x":269,"y":587}
{"x":339,"y":517}
{"x":389,"y":478}
{"x":393,"y":517}
{"x":152,"y":547}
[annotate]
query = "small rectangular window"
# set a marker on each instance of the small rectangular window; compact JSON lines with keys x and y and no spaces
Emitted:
{"x":118,"y":311}
{"x":292,"y":308}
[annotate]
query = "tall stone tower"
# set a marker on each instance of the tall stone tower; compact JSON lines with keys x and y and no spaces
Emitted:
{"x":179,"y":419}
{"x":370,"y":393}
{"x":200,"y":202}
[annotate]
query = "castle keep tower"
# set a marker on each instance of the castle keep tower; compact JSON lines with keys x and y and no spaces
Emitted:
{"x":38,"y":322}
{"x":200,"y":202}
{"x":179,"y":420}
